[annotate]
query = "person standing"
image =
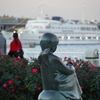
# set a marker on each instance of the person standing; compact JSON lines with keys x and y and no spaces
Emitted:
{"x":2,"y":43}
{"x":16,"y":47}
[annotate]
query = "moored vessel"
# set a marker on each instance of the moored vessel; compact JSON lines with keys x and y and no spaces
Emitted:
{"x":69,"y":32}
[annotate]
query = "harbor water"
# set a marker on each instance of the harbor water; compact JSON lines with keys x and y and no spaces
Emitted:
{"x":72,"y":51}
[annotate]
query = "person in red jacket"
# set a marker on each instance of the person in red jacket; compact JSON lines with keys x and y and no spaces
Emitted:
{"x":16,"y":47}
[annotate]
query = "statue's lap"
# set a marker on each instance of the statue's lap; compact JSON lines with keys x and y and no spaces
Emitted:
{"x":51,"y":95}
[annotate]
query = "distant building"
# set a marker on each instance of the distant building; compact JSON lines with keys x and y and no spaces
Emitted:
{"x":12,"y":23}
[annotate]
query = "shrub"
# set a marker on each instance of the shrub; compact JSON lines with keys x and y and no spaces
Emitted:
{"x":20,"y":79}
{"x":89,"y":78}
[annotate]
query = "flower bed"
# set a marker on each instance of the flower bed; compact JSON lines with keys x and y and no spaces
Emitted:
{"x":20,"y":79}
{"x":89,"y":78}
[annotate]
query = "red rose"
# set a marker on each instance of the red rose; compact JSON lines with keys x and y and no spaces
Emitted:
{"x":39,"y":67}
{"x":86,"y":62}
{"x":70,"y":63}
{"x":92,"y":66}
{"x":16,"y":76}
{"x":11,"y":82}
{"x":2,"y":70}
{"x":19,"y":57}
{"x":16,"y":58}
{"x":78,"y":65}
{"x":13,"y":90}
{"x":34,"y":70}
{"x":39,"y":88}
{"x":21,"y":88}
{"x":69,"y":58}
{"x":15,"y":61}
{"x":65,"y":58}
{"x":4,"y":54}
{"x":82,"y":87}
{"x":5,"y":85}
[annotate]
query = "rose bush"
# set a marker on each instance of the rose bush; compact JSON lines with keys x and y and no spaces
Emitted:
{"x":89,"y":78}
{"x":20,"y":79}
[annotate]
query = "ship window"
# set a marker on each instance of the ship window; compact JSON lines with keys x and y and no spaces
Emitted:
{"x":89,"y":37}
{"x":59,"y":37}
{"x":71,"y":37}
{"x":80,"y":38}
{"x":71,"y":23}
{"x":40,"y":26}
{"x":93,"y":29}
{"x":36,"y":26}
{"x":94,"y":37}
{"x":86,"y":37}
{"x":82,"y":28}
{"x":77,"y":37}
{"x":47,"y":26}
{"x":68,"y":37}
{"x":88,"y":28}
{"x":32,"y":26}
{"x":97,"y":38}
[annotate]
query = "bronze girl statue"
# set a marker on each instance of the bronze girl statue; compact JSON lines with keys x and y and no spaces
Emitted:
{"x":59,"y":81}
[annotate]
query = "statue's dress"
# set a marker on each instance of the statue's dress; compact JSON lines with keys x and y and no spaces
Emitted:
{"x":59,"y":81}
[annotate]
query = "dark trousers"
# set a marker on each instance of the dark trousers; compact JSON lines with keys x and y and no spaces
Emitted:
{"x":16,"y":53}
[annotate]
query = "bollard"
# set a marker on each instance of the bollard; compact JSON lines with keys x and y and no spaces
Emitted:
{"x":93,"y":56}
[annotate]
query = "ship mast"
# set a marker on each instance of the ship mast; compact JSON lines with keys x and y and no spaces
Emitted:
{"x":83,"y":13}
{"x":41,"y":12}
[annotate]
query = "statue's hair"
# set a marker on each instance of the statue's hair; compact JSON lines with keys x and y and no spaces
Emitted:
{"x":48,"y":40}
{"x":48,"y":43}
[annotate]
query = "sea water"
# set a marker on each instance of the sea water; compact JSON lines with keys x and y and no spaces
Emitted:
{"x":72,"y":51}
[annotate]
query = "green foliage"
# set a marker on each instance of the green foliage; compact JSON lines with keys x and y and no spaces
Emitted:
{"x":89,"y":78}
{"x":20,"y":79}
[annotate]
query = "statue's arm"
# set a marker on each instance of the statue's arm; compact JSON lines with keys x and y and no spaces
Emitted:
{"x":61,"y":67}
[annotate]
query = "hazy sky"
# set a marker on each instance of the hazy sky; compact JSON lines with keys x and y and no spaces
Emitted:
{"x":68,"y":9}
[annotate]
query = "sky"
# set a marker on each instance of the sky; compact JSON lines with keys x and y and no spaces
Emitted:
{"x":68,"y":9}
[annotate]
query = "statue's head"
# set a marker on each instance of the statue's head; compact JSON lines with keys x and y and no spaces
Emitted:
{"x":49,"y":41}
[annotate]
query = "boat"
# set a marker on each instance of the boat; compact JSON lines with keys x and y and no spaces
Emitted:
{"x":69,"y":32}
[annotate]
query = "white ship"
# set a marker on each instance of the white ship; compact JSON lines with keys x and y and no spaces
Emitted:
{"x":69,"y":32}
